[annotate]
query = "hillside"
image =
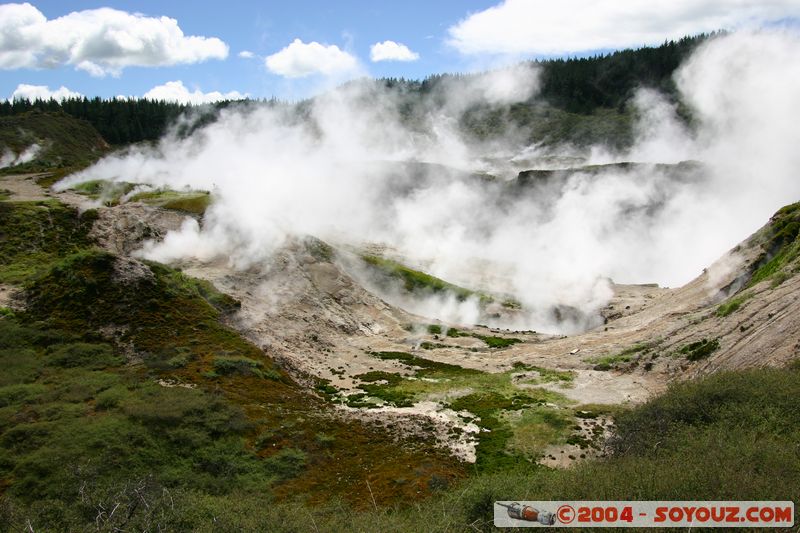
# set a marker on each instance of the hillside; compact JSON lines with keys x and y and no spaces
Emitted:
{"x":580,"y":101}
{"x":36,"y":141}
{"x":205,"y":391}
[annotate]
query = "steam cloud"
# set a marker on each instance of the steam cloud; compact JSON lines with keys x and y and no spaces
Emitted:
{"x":9,"y":159}
{"x":346,"y":178}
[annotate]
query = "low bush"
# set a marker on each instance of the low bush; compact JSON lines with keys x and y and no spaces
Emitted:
{"x":92,"y":356}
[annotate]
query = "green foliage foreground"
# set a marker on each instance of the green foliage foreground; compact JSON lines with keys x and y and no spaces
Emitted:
{"x":730,"y":436}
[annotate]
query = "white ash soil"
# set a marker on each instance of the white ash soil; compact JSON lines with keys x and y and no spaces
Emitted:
{"x":23,"y":188}
{"x":8,"y":295}
{"x":311,"y":316}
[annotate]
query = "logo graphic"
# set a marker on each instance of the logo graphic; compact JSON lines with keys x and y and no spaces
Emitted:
{"x":529,"y":514}
{"x":566,"y":514}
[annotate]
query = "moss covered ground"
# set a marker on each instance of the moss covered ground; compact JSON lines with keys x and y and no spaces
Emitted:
{"x":194,"y":202}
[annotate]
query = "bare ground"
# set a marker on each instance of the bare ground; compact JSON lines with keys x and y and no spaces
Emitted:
{"x":7,"y":295}
{"x":23,"y":188}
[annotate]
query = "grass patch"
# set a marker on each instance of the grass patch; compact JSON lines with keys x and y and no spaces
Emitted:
{"x":108,"y":192}
{"x":536,"y":428}
{"x":194,"y":202}
{"x":169,"y":317}
{"x":733,"y":304}
{"x":377,"y":375}
{"x":609,"y":362}
{"x":548,"y":375}
{"x":731,"y":436}
{"x":434,"y":329}
{"x":502,"y":446}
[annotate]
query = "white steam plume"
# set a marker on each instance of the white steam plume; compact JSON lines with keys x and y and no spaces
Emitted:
{"x":10,"y":159}
{"x":553,"y":242}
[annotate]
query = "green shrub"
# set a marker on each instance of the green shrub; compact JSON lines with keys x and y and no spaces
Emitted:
{"x":20,"y":393}
{"x":287,"y":463}
{"x":700,"y":349}
{"x":497,"y":342}
{"x":20,"y":365}
{"x":227,"y":365}
{"x":111,"y":397}
{"x":491,"y":341}
{"x":92,"y":356}
{"x":609,"y":362}
{"x":172,"y":406}
{"x":425,"y":345}
{"x":324,"y":439}
{"x":764,"y":401}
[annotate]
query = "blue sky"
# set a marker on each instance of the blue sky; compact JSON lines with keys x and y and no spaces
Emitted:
{"x":264,"y":28}
{"x":446,"y":35}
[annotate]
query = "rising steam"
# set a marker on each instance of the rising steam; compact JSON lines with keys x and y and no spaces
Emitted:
{"x":348,"y":175}
{"x":9,"y":159}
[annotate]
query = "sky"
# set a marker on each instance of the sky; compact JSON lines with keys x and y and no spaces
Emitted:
{"x":200,"y":51}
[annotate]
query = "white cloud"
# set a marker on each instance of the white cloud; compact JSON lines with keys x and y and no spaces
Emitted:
{"x":42,"y":92}
{"x":300,"y":59}
{"x":391,"y":51}
{"x":176,"y":91}
{"x":99,"y":41}
{"x":246,"y":54}
{"x":528,"y":27}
